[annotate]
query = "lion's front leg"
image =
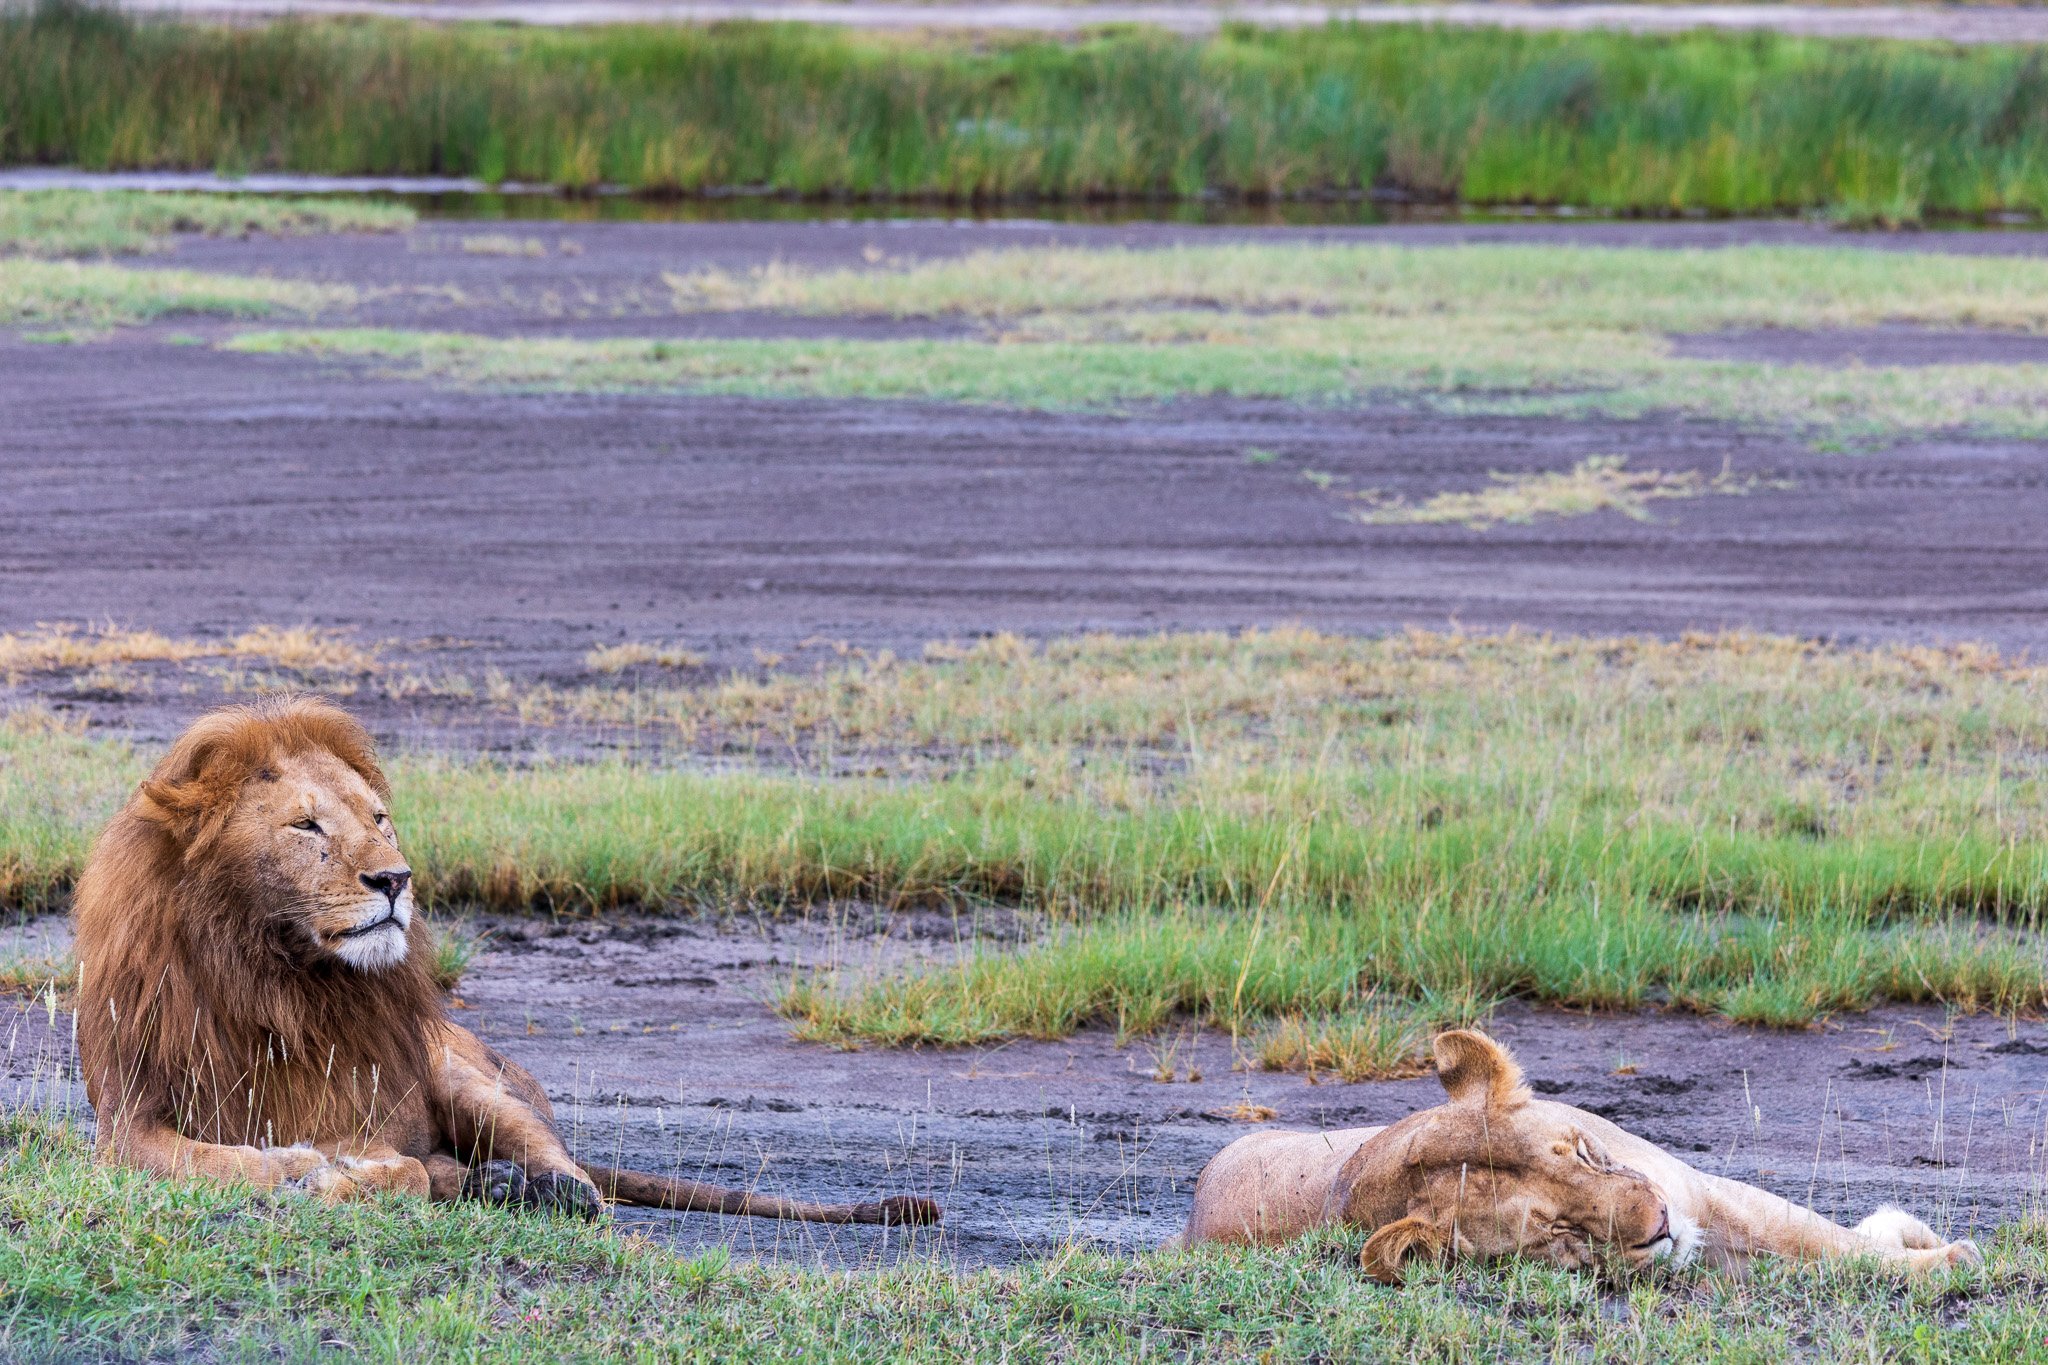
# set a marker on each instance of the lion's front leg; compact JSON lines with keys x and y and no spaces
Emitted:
{"x":498,"y":1118}
{"x":335,"y":1177}
{"x":358,"y":1174}
{"x":1748,"y":1221}
{"x":160,"y":1149}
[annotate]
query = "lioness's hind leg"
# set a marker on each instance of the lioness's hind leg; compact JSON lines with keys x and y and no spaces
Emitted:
{"x":1895,"y":1227}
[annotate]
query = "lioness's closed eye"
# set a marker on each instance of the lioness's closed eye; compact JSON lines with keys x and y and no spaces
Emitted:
{"x":1496,"y":1172}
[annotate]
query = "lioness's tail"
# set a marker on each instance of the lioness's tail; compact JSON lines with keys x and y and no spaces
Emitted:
{"x":662,"y":1192}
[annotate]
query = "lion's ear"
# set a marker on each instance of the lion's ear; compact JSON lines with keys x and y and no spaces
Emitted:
{"x":1387,"y":1251}
{"x":188,"y":794}
{"x":1476,"y":1070}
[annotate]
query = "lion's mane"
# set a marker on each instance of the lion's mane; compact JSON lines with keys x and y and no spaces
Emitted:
{"x":196,"y":1004}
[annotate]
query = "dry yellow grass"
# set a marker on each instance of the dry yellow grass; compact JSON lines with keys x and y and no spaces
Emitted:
{"x":500,"y":244}
{"x":635,"y":653}
{"x":68,"y":648}
{"x":1598,"y":483}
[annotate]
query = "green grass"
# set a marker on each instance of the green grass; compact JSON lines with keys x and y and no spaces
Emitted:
{"x":1523,"y":330}
{"x":89,"y":222}
{"x":99,"y":1264}
{"x":1245,"y":828}
{"x":1728,"y":123}
{"x":93,"y":295}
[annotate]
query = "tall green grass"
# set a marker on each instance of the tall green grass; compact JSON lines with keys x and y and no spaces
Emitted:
{"x":1261,"y":825}
{"x":1731,"y":124}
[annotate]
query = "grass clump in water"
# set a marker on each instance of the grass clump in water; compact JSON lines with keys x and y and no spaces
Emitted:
{"x":1466,"y":329}
{"x":104,"y":223}
{"x":92,"y":295}
{"x":1740,"y":124}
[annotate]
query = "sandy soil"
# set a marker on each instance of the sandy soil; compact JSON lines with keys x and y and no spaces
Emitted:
{"x":656,"y":1042}
{"x":1962,"y":24}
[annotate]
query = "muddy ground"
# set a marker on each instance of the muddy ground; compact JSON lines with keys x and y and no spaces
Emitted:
{"x":194,"y":491}
{"x":657,"y":1042}
{"x":181,"y":488}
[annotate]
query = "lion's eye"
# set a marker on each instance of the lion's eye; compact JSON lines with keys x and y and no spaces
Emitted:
{"x":307,"y":823}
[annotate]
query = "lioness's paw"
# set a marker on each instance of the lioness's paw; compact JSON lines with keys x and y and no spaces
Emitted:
{"x":495,"y":1182}
{"x":1961,"y":1253}
{"x":1894,"y":1226}
{"x":563,"y":1194}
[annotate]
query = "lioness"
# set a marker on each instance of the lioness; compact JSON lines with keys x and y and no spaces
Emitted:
{"x":1497,"y":1172}
{"x":254,"y":1002}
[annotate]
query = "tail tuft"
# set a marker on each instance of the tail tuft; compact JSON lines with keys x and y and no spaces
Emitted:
{"x":900,"y":1210}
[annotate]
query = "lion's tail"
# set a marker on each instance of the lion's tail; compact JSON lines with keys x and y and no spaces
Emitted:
{"x":663,"y":1192}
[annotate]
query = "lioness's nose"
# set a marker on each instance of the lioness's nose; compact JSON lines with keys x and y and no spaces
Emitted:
{"x":391,"y":881}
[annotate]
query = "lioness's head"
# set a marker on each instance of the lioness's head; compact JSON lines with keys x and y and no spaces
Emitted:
{"x":1495,"y":1172}
{"x":284,"y":803}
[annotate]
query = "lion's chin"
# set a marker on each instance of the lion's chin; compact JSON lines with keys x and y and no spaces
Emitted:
{"x":378,"y":941}
{"x":374,"y":952}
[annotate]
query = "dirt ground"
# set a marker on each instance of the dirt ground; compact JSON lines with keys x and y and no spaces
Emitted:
{"x":197,"y":492}
{"x":657,"y":1043}
{"x":194,"y":491}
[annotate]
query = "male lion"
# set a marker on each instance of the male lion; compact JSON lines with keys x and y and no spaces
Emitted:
{"x":255,"y":1006}
{"x":1497,"y":1172}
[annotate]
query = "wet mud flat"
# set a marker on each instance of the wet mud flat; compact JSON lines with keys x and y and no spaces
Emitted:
{"x":193,"y":491}
{"x":196,"y":492}
{"x":657,"y":1041}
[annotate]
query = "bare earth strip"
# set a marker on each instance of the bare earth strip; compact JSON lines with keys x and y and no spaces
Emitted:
{"x":654,"y":1041}
{"x":1959,"y":25}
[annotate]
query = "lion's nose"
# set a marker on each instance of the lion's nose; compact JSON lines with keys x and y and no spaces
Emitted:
{"x":391,"y":881}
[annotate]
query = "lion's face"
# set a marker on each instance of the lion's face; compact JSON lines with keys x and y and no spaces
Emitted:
{"x":1537,"y":1185}
{"x":1495,"y":1172}
{"x":318,"y":848}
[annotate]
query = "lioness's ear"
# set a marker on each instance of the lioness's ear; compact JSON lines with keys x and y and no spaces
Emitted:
{"x":1387,"y":1250}
{"x":1477,"y":1070}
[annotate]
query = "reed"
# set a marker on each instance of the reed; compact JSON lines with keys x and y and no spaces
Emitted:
{"x":1889,"y":132}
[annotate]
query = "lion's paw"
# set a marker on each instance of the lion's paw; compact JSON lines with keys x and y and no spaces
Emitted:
{"x":564,"y":1194}
{"x":330,"y":1183}
{"x":294,"y":1163}
{"x":495,"y":1182}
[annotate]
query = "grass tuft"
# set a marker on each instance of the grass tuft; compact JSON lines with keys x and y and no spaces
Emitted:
{"x":114,"y":222}
{"x":1598,"y":483}
{"x":639,"y":654}
{"x":1502,"y":329}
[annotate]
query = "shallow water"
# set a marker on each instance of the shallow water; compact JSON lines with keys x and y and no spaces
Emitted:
{"x":460,"y":197}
